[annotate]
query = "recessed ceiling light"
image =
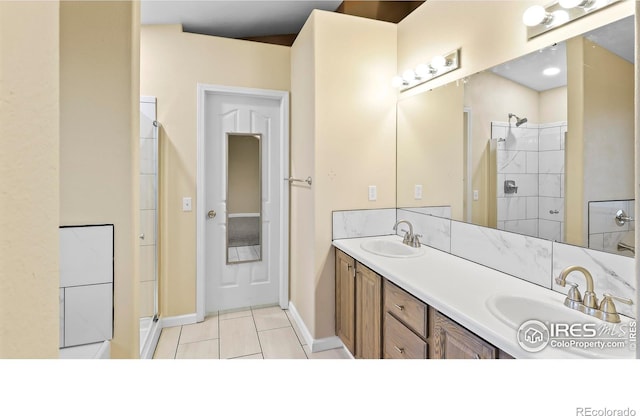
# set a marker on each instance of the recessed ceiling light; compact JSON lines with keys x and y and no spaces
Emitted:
{"x":551,"y":71}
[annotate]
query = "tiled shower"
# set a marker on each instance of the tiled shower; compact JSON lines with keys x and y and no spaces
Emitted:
{"x":530,"y":178}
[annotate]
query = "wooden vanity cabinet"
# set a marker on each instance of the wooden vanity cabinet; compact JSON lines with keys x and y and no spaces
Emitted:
{"x":405,"y":324}
{"x":358,"y":307}
{"x":450,"y":340}
{"x":368,"y":313}
{"x":345,"y":300}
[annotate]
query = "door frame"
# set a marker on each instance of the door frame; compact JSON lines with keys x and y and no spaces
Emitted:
{"x":204,"y":90}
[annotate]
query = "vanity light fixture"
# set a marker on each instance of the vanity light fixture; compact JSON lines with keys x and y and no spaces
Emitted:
{"x":424,"y":72}
{"x":539,"y":19}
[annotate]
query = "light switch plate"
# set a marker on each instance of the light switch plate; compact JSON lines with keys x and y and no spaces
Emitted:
{"x":373,"y":193}
{"x":476,"y":195}
{"x":186,"y":204}
{"x":417,"y":192}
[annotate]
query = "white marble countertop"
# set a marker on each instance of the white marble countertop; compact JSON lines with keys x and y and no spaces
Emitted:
{"x":461,"y":289}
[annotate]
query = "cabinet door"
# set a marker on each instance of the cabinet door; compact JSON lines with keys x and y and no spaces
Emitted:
{"x":345,"y":300}
{"x":451,"y":340}
{"x":368,"y":313}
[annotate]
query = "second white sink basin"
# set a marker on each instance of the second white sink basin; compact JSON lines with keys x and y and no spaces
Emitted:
{"x":516,"y":310}
{"x":391,"y":248}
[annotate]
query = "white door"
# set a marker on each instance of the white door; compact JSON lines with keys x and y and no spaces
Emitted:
{"x":234,"y":285}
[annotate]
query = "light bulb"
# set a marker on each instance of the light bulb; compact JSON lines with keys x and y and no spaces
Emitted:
{"x":423,"y":70}
{"x":409,"y":75}
{"x":560,"y":17}
{"x":438,"y":62}
{"x":534,"y":15}
{"x":397,"y":82}
{"x":551,"y":71}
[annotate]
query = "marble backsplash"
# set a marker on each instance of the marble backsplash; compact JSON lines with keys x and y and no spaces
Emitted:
{"x":535,"y":260}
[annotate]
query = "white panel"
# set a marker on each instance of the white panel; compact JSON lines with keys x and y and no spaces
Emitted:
{"x":550,"y":230}
{"x":147,"y":117}
{"x":525,"y":227}
{"x":435,"y":231}
{"x":511,"y":161}
{"x":148,"y":227}
{"x":602,"y":216}
{"x":148,"y":156}
{"x":551,"y":161}
{"x":363,"y":223}
{"x":86,"y":255}
{"x":532,"y":207}
{"x":88,"y":314}
{"x":147,"y":191}
{"x":61,"y":325}
{"x":550,"y":138}
{"x":549,"y":185}
{"x":522,"y":138}
{"x":532,"y":162}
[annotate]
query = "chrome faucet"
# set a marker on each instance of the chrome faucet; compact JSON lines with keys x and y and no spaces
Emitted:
{"x":589,"y":304}
{"x":410,"y":239}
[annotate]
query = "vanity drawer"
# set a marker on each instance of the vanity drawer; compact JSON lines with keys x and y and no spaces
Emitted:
{"x":400,"y":342}
{"x":406,"y":308}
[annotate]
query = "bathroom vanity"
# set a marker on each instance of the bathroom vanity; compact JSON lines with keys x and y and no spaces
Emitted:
{"x":437,"y":305}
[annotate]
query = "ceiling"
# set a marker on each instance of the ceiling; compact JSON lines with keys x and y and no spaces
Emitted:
{"x":233,"y":19}
{"x":617,"y":37}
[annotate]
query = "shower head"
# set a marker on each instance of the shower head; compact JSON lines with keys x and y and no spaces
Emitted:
{"x":519,"y":121}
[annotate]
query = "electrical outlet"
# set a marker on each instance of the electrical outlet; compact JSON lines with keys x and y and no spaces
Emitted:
{"x":373,"y":193}
{"x":417,"y":192}
{"x":186,"y":204}
{"x":476,"y":195}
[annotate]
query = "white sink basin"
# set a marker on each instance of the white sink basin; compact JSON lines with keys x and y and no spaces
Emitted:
{"x":516,"y":310}
{"x":391,"y":248}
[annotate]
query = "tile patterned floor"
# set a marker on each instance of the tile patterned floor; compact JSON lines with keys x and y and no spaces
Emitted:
{"x":251,"y":333}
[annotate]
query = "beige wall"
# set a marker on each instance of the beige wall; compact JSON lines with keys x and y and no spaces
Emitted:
{"x":602,"y":145}
{"x":99,"y":129}
{"x":244,"y":174}
{"x":553,"y":105}
{"x":347,"y":130}
{"x":172,"y":64}
{"x":29,"y":191}
{"x":302,"y":157}
{"x":430,"y":145}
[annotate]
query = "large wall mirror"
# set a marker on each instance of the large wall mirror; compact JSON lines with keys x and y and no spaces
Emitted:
{"x":542,"y":145}
{"x":244,"y":198}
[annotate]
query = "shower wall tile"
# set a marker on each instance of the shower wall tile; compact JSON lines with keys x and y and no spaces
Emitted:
{"x":526,"y":227}
{"x":549,"y":185}
{"x":562,"y":186}
{"x":550,"y":230}
{"x":532,"y":207}
{"x":498,"y":131}
{"x":610,"y":242}
{"x":532,"y":162}
{"x":147,"y":116}
{"x":86,"y":255}
{"x":596,"y":241}
{"x":435,"y":231}
{"x":602,"y":216}
{"x":524,"y":257}
{"x":363,"y":223}
{"x":512,"y":208}
{"x":611,"y":273}
{"x":548,"y":208}
{"x":551,"y":161}
{"x":563,"y":135}
{"x":147,"y":156}
{"x":511,"y":161}
{"x":527,"y":184}
{"x":522,"y":138}
{"x":550,"y":139}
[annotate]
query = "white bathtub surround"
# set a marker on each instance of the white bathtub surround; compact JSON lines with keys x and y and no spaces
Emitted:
{"x":611,"y":273}
{"x":533,"y":157}
{"x":521,"y":256}
{"x":363,"y":223}
{"x":435,"y":231}
{"x":604,"y":232}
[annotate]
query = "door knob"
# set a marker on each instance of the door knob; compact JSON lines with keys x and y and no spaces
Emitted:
{"x":211,"y":214}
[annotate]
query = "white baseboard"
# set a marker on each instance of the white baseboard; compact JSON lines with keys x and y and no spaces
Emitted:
{"x":179,"y":320}
{"x":316,"y":345}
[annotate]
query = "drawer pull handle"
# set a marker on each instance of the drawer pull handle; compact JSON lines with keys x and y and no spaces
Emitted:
{"x":399,"y":306}
{"x":477,"y":356}
{"x":400,"y":350}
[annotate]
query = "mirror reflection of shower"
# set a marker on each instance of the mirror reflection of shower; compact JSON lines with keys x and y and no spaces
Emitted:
{"x":519,"y":121}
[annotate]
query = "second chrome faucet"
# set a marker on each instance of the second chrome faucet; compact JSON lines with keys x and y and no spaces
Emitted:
{"x":410,"y":239}
{"x":589,"y":304}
